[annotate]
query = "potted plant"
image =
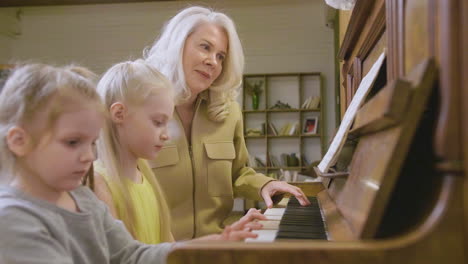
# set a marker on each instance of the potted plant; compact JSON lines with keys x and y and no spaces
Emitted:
{"x":254,"y":89}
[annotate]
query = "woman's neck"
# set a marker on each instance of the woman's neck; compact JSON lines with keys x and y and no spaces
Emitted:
{"x":190,"y":103}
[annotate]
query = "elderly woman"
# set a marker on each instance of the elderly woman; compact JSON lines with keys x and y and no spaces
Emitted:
{"x":204,"y":167}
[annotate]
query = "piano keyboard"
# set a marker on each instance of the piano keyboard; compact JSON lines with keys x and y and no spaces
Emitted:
{"x":293,"y":222}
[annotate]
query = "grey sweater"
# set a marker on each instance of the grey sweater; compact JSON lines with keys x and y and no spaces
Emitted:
{"x":35,"y":231}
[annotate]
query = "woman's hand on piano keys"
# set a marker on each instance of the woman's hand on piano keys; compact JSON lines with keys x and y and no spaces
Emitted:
{"x":279,"y":187}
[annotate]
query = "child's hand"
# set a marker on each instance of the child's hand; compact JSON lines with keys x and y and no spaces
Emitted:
{"x":248,"y":221}
{"x":229,"y":234}
{"x":241,"y":229}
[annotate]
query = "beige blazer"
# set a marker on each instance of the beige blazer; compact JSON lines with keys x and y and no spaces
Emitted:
{"x":201,"y":181}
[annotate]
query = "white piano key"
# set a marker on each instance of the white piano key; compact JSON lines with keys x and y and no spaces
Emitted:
{"x":274,"y":211}
{"x":283,"y":203}
{"x":263,"y":236}
{"x":269,"y":225}
{"x":274,"y":217}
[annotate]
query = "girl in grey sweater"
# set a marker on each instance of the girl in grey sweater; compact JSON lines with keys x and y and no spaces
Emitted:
{"x":49,"y":121}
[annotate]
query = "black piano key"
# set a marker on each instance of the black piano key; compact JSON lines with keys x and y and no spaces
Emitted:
{"x":302,"y":222}
{"x":299,"y":235}
{"x":299,"y":229}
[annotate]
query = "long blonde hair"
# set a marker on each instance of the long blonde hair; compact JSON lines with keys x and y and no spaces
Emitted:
{"x":29,"y":89}
{"x":167,"y":52}
{"x":130,"y":82}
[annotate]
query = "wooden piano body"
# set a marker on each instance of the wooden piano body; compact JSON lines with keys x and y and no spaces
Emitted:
{"x":406,"y":197}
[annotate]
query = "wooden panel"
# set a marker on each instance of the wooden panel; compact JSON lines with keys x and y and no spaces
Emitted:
{"x":395,"y":29}
{"x":309,"y":188}
{"x":360,"y":40}
{"x":464,"y":85}
{"x":416,"y":33}
{"x":356,"y":25}
{"x":357,"y":74}
{"x":375,"y":31}
{"x":464,"y":107}
{"x":337,"y":227}
{"x":385,"y":109}
{"x":374,"y":54}
{"x":448,"y":128}
{"x":378,"y":159}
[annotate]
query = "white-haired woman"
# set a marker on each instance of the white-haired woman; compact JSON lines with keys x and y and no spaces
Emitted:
{"x":204,"y":168}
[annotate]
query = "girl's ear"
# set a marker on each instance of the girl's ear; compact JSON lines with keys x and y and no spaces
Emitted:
{"x":118,"y":111}
{"x":18,"y":141}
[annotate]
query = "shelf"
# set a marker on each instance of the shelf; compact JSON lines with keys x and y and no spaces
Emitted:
{"x":312,"y":136}
{"x":284,"y":136}
{"x":280,"y":111}
{"x":279,"y":168}
{"x":263,"y":136}
{"x":253,"y":111}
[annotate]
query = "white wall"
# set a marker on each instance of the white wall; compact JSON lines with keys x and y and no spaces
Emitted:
{"x":9,"y":29}
{"x":278,"y":35}
{"x":5,"y":50}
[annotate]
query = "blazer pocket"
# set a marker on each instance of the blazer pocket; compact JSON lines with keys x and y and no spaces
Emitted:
{"x":166,"y":157}
{"x":220,"y":156}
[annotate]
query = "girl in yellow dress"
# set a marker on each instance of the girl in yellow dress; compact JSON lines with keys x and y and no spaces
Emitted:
{"x":140,"y":102}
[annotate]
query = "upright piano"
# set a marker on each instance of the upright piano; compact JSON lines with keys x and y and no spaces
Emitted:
{"x":404,"y":195}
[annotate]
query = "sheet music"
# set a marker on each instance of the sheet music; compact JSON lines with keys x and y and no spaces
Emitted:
{"x":338,"y":141}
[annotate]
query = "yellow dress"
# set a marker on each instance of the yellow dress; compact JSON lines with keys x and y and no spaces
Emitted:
{"x":146,"y":203}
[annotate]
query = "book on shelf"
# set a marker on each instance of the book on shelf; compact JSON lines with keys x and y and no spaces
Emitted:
{"x":293,"y":160}
{"x":284,"y":159}
{"x":312,"y":102}
{"x":257,"y":131}
{"x":305,"y":161}
{"x":294,"y":129}
{"x":272,"y":129}
{"x":260,"y":161}
{"x":253,"y":132}
{"x":283,"y":129}
{"x":251,"y":162}
{"x":290,"y":160}
{"x":315,"y":102}
{"x":273,"y":161}
{"x":289,"y":176}
{"x":273,"y":175}
{"x":289,"y":129}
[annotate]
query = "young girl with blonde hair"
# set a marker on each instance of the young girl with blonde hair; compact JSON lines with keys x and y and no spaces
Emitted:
{"x":50,"y":118}
{"x":140,"y":103}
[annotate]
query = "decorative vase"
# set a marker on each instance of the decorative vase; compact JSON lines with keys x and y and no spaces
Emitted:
{"x":255,"y":101}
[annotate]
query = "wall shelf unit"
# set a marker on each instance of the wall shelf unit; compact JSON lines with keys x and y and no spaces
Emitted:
{"x":289,"y":120}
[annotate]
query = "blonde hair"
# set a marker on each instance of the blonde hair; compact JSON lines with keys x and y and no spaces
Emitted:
{"x":29,"y":89}
{"x":130,"y":82}
{"x":167,"y":52}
